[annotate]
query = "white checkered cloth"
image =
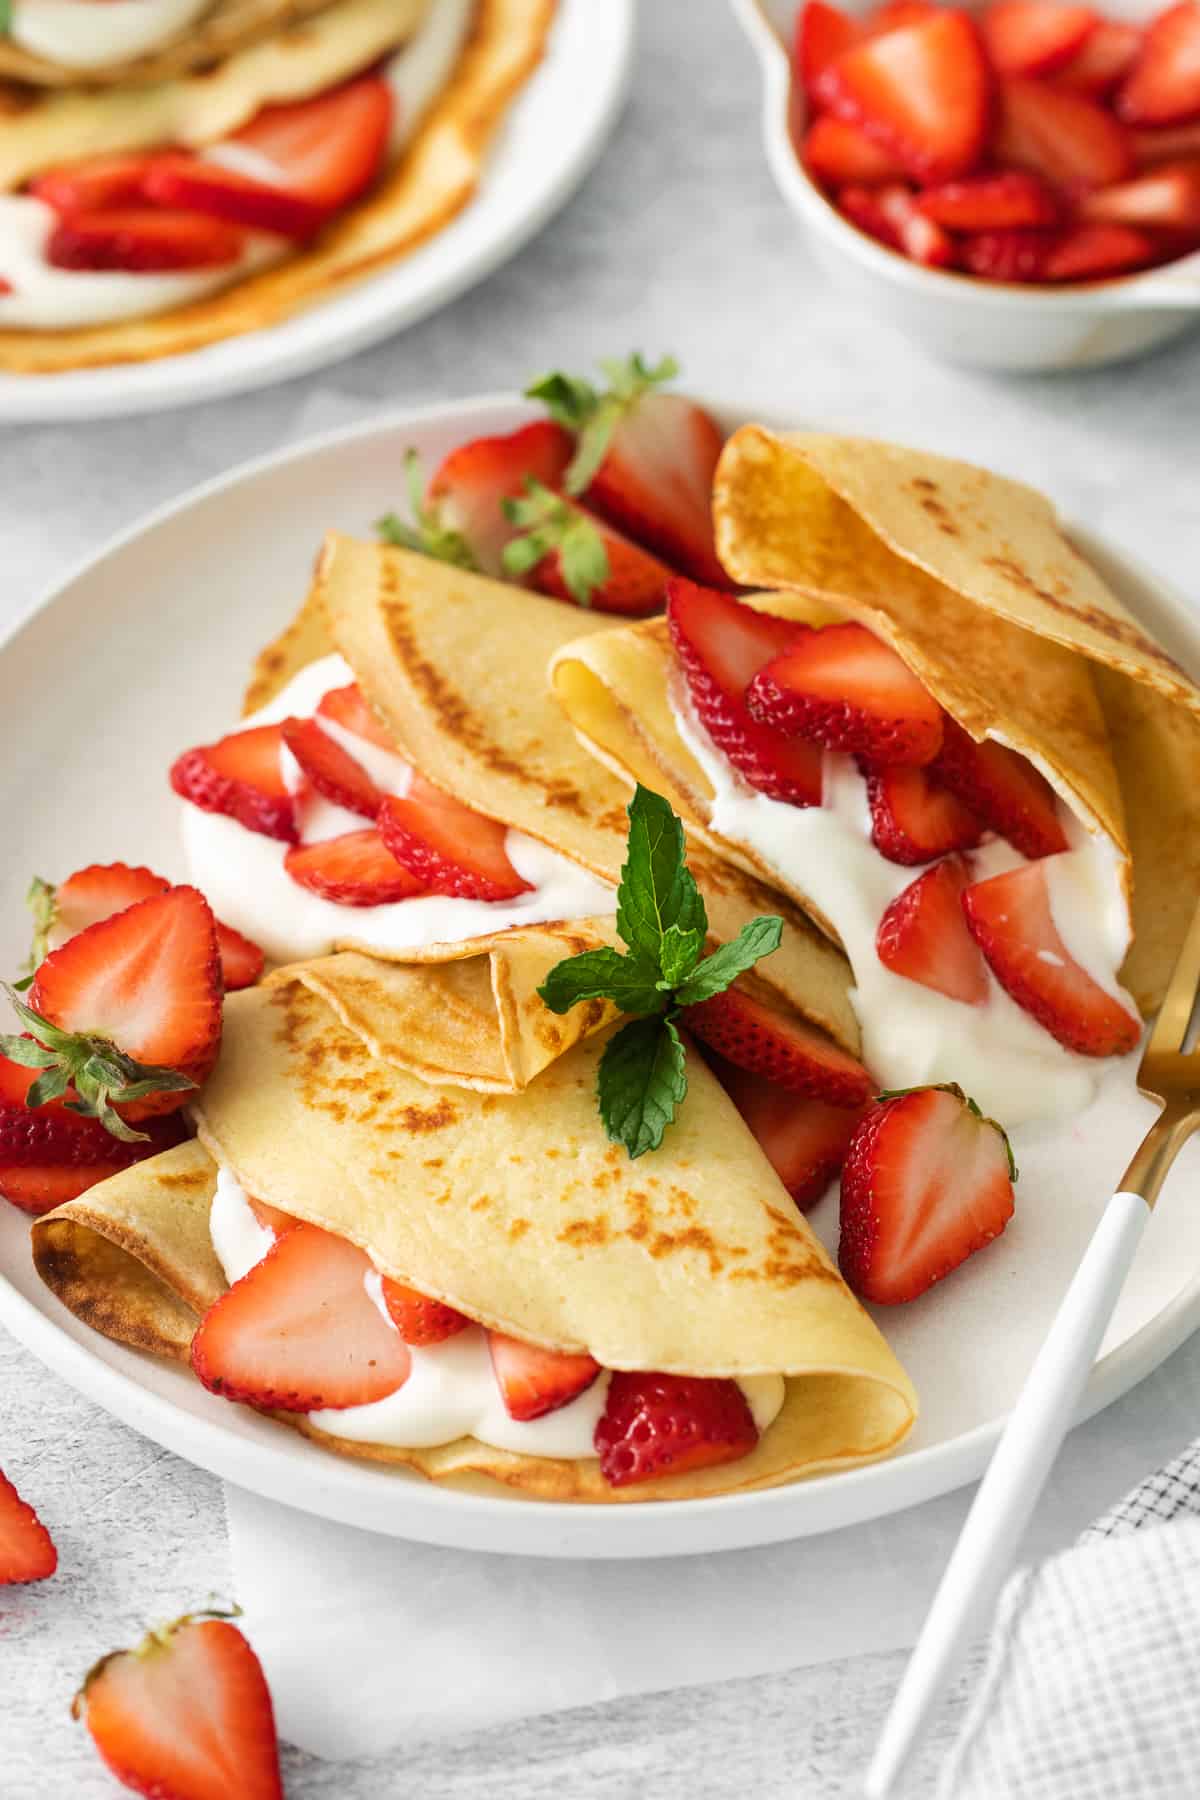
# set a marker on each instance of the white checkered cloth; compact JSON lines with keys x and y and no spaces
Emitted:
{"x":1092,"y":1684}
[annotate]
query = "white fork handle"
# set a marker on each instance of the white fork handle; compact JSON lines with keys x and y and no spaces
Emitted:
{"x":1014,"y":1479}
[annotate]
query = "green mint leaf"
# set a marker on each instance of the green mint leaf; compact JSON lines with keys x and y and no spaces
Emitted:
{"x":679,"y":955}
{"x":718,"y":971}
{"x":642,"y":1079}
{"x":657,"y":889}
{"x":568,"y":399}
{"x":603,"y":974}
{"x":42,"y":901}
{"x":427,"y":534}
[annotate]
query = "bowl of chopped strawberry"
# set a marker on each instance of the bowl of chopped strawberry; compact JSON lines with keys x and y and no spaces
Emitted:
{"x":1016,"y":184}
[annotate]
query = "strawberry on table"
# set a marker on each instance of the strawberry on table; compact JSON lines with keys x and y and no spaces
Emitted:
{"x":561,"y":550}
{"x":1064,"y":136}
{"x":331,"y":769}
{"x":356,"y":869}
{"x":1035,"y":37}
{"x":187,"y":1715}
{"x":655,"y":1425}
{"x":27,"y":1551}
{"x":781,"y":1047}
{"x":804,"y":1140}
{"x":141,"y":240}
{"x":1163,"y":87}
{"x":1011,"y":920}
{"x":534,"y":1381}
{"x":915,"y":817}
{"x":241,"y":775}
{"x":417,"y":1318}
{"x":993,"y":202}
{"x":927,"y":1182}
{"x":447,"y":847}
{"x":843,"y":687}
{"x":459,"y":518}
{"x":923,"y":935}
{"x":1003,"y":789}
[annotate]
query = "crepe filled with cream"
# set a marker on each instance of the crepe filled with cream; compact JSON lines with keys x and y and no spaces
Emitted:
{"x":517,"y":1211}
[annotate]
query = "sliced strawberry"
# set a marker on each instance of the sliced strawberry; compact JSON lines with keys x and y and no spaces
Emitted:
{"x":927,"y":1182}
{"x":1007,"y":255}
{"x":843,"y":687}
{"x":97,"y":184}
{"x":823,"y":33}
{"x":1003,"y":789}
{"x":464,"y":502}
{"x":272,"y":1217}
{"x":922,"y":92}
{"x":186,"y":1716}
{"x":1108,"y":53}
{"x":356,"y":869}
{"x":803,"y":1140}
{"x":300,"y":1332}
{"x":1169,"y":197}
{"x":242,"y":960}
{"x":309,"y":158}
{"x":655,"y":1425}
{"x":417,"y":1318}
{"x":1163,"y":87}
{"x":915,"y":817}
{"x":242,"y":775}
{"x":38,"y":1188}
{"x":1034,"y":37}
{"x":1011,"y":920}
{"x":1000,"y":202}
{"x":779,"y":1046}
{"x":533,"y":1381}
{"x":449,"y":848}
{"x":27,"y":1552}
{"x":721,"y":645}
{"x":1095,"y":252}
{"x":141,"y":241}
{"x":347,"y":708}
{"x":840,"y":155}
{"x":895,"y":14}
{"x":1061,"y":135}
{"x":564,"y":551}
{"x":891,"y":214}
{"x":98,"y":892}
{"x":1172,"y":144}
{"x":330,"y":769}
{"x":923,"y":935}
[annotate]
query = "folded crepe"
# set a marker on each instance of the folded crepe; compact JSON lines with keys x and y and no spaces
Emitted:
{"x":517,"y":1211}
{"x":970,"y":580}
{"x":434,"y":178}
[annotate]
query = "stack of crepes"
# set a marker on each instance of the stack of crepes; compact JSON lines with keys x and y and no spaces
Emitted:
{"x":221,"y":65}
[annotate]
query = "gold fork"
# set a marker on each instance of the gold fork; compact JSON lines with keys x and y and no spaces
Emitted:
{"x":1047,"y":1403}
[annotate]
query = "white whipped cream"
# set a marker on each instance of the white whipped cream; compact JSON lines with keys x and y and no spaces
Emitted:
{"x":912,"y":1034}
{"x":242,"y":874}
{"x":451,"y":1391}
{"x":93,"y":34}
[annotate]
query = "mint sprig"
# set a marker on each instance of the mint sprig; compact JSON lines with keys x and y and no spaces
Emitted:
{"x":662,"y":921}
{"x":428,"y":533}
{"x":592,"y":415}
{"x":548,"y":523}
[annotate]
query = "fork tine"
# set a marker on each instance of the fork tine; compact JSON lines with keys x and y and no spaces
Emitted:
{"x":1175,"y":1014}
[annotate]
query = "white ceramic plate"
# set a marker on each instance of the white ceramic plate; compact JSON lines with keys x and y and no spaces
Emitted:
{"x":143,"y":652}
{"x":551,"y":138}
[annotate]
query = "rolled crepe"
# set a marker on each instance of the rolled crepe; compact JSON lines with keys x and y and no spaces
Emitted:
{"x":520,"y":1213}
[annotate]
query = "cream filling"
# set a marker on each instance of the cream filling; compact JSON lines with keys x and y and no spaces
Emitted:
{"x":95,"y":34}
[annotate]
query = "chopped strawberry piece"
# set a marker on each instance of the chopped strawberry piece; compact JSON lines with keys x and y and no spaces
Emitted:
{"x":356,"y":869}
{"x":803,"y":1140}
{"x":895,"y":14}
{"x":141,"y":241}
{"x":347,"y":708}
{"x":1163,"y":87}
{"x":823,"y":33}
{"x":917,"y":236}
{"x":1034,"y":37}
{"x":923,"y":935}
{"x":1169,"y":197}
{"x":38,"y":1188}
{"x":927,"y":1183}
{"x":242,"y":775}
{"x":1005,"y":201}
{"x":533,"y":1381}
{"x":921,"y":91}
{"x":1094,"y":252}
{"x":841,"y":155}
{"x":98,"y":892}
{"x":915,"y":817}
{"x":300,"y":1332}
{"x":1108,"y":53}
{"x":1011,"y":920}
{"x":242,"y":960}
{"x":1061,"y":135}
{"x":95,"y":185}
{"x":1172,"y":144}
{"x":1008,"y":255}
{"x":1003,"y":789}
{"x":779,"y":1046}
{"x":187,"y":1715}
{"x":655,"y":1425}
{"x":465,"y":498}
{"x":272,"y":1217}
{"x":449,"y":848}
{"x":843,"y":687}
{"x":417,"y":1318}
{"x":310,"y":158}
{"x":27,"y":1551}
{"x":721,"y":644}
{"x":331,"y":770}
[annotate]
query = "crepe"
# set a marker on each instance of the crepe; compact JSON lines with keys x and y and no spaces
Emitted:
{"x":432,"y":182}
{"x":517,"y":1211}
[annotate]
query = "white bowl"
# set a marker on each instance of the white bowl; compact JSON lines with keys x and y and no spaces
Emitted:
{"x":988,"y":324}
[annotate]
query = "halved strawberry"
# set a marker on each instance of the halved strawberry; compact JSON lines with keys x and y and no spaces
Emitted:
{"x":1010,"y":255}
{"x":142,"y":240}
{"x":1003,"y":789}
{"x":840,"y":155}
{"x":52,"y":1135}
{"x":564,"y":551}
{"x":1034,"y":37}
{"x":923,"y":935}
{"x":1108,"y":53}
{"x":97,"y":892}
{"x":891,"y":214}
{"x":242,"y":960}
{"x":927,"y":1182}
{"x":273,"y":1217}
{"x":721,"y":645}
{"x":461,"y":518}
{"x":449,"y":848}
{"x":1163,"y":87}
{"x":38,"y":1188}
{"x":331,"y":770}
{"x":1011,"y":920}
{"x":533,"y":1381}
{"x":1006,"y":200}
{"x":655,"y":1425}
{"x":241,"y":775}
{"x":417,"y":1318}
{"x":27,"y":1552}
{"x":1168,"y":197}
{"x":822,"y":34}
{"x":308,"y":158}
{"x":1095,"y":252}
{"x":803,"y":1140}
{"x":1065,"y":136}
{"x":186,"y":1716}
{"x":921,"y":91}
{"x":356,"y":869}
{"x":779,"y":1046}
{"x":347,"y":708}
{"x":300,"y":1332}
{"x":843,"y":687}
{"x":96,"y":184}
{"x":915,"y":817}
{"x":894,"y":14}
